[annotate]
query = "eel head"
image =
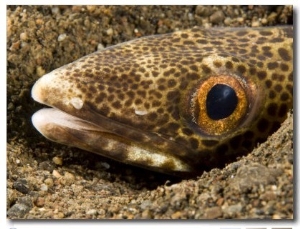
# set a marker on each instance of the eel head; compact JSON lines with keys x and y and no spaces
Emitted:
{"x":178,"y":103}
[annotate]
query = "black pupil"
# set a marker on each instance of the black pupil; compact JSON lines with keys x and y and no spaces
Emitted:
{"x":221,"y":101}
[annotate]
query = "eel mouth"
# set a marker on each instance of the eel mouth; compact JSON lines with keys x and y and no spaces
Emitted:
{"x":86,"y":129}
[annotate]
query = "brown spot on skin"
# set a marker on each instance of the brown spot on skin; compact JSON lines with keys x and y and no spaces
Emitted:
{"x":206,"y":69}
{"x":284,"y":96}
{"x":260,"y":64}
{"x":272,"y":109}
{"x":208,"y":49}
{"x":277,"y":77}
{"x":252,"y":71}
{"x":235,"y":142}
{"x":111,"y":97}
{"x":161,"y":87}
{"x":289,"y":89}
{"x":261,"y":75}
{"x":272,"y":94}
{"x":188,"y":43}
{"x":121,"y":96}
{"x":229,"y":65}
{"x":172,"y":95}
{"x":241,"y":33}
{"x":272,"y":65}
{"x":234,"y":59}
{"x":265,"y":33}
{"x":261,"y":57}
{"x":166,"y":73}
{"x":282,"y":112}
{"x":141,"y":93}
{"x":187,"y":131}
{"x":194,"y":143}
{"x":99,"y":99}
{"x":263,"y":125}
{"x":117,"y":105}
{"x":278,"y":88}
{"x":268,"y":83}
{"x":175,"y":40}
{"x":268,"y":54}
{"x":241,"y":69}
{"x":216,"y":43}
{"x":171,"y":83}
{"x":184,"y":35}
{"x":155,"y":74}
{"x":192,"y":76}
{"x":160,"y":111}
{"x":217,"y":64}
{"x":242,"y":51}
{"x":276,"y":40}
{"x":183,"y":70}
{"x":194,"y":68}
{"x":209,"y":143}
{"x":284,"y":54}
{"x":222,"y":149}
{"x":168,"y":165}
{"x":261,"y":40}
{"x":266,"y":48}
{"x":138,"y":101}
{"x":182,"y":141}
{"x":244,"y":40}
{"x":284,"y":67}
{"x":275,"y":126}
{"x":202,"y":41}
{"x":173,"y":127}
{"x":249,"y":135}
{"x":291,"y":77}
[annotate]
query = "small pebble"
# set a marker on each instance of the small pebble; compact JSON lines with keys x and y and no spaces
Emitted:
{"x":217,"y":17}
{"x":67,"y":179}
{"x":40,"y":71}
{"x":55,"y":10}
{"x":56,"y":174}
{"x":109,"y":32}
{"x":44,"y":187}
{"x":214,"y":212}
{"x":100,"y":47}
{"x":59,"y":215}
{"x":233,"y":209}
{"x":49,"y":182}
{"x":240,"y":20}
{"x":61,"y":37}
{"x":264,"y":21}
{"x":146,"y":214}
{"x":176,"y":215}
{"x":145,"y":204}
{"x":21,"y":185}
{"x":57,"y":160}
{"x":91,"y":212}
{"x":255,"y":24}
{"x":23,"y":206}
{"x":23,"y":36}
{"x":40,"y":202}
{"x":227,"y":21}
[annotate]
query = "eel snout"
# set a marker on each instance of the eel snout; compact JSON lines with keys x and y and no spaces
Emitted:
{"x":70,"y":121}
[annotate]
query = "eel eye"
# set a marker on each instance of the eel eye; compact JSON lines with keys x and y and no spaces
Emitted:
{"x":221,"y":104}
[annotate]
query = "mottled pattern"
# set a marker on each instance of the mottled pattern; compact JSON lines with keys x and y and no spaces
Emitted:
{"x":145,"y":100}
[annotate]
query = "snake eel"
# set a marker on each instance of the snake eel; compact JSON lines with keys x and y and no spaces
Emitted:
{"x":179,"y":103}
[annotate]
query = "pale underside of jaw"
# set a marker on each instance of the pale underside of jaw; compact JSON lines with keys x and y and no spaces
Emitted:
{"x":66,"y":129}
